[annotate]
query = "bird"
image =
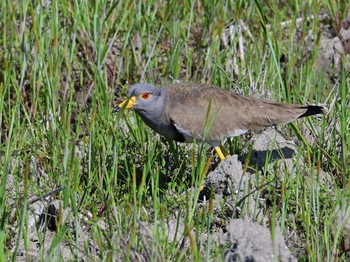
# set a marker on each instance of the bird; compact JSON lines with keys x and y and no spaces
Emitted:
{"x":185,"y":112}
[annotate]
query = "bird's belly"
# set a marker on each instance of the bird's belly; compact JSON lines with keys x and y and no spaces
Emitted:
{"x":171,"y":133}
{"x":214,"y":134}
{"x":237,"y":132}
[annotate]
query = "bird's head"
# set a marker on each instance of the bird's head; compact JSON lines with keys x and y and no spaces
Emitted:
{"x":145,"y":99}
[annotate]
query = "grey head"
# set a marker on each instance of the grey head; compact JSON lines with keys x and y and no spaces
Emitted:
{"x":138,"y":89}
{"x":148,"y":101}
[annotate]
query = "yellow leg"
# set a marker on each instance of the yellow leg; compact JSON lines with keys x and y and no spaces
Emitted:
{"x":226,"y":154}
{"x":219,"y":152}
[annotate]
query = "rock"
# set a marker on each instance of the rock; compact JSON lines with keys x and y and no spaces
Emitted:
{"x":228,"y":171}
{"x":42,"y":224}
{"x":175,"y":230}
{"x":332,"y":49}
{"x":329,"y":59}
{"x":252,"y":242}
{"x":270,"y":146}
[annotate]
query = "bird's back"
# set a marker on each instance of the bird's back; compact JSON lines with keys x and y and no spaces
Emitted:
{"x":232,"y":113}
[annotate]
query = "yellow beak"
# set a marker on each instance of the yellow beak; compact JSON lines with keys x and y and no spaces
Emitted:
{"x":130,"y":103}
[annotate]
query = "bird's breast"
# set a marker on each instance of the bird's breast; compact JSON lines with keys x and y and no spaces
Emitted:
{"x":164,"y":127}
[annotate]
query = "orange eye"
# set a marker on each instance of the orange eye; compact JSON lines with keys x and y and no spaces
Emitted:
{"x":145,"y":95}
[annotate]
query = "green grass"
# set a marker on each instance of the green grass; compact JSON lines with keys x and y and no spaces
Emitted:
{"x":64,"y":63}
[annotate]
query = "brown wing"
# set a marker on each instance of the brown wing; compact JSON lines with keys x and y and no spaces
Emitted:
{"x":232,"y":114}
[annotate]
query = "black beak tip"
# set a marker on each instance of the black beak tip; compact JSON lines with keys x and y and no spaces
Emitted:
{"x":116,"y":109}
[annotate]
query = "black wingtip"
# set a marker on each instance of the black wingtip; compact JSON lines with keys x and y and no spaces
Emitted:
{"x":312,"y":110}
